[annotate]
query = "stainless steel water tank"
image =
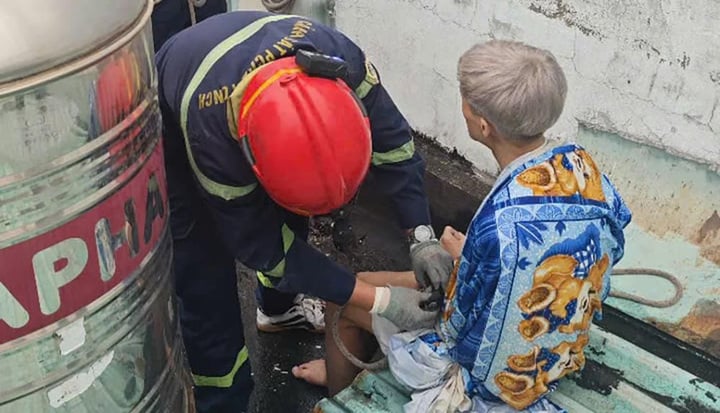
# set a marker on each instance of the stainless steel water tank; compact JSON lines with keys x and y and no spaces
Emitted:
{"x":87,"y":320}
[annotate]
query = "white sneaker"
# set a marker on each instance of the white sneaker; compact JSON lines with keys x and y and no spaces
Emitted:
{"x":307,"y":313}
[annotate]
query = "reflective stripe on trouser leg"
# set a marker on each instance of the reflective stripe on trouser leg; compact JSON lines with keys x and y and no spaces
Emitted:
{"x":271,"y":301}
{"x":226,"y":380}
{"x":206,"y":285}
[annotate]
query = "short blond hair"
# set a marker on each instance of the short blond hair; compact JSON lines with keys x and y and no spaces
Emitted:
{"x":518,"y":88}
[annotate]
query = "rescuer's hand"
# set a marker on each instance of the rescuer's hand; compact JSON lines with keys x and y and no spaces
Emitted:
{"x":401,"y":306}
{"x":431,"y":263}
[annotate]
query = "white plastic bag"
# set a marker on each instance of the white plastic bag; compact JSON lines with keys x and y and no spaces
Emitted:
{"x":437,"y":382}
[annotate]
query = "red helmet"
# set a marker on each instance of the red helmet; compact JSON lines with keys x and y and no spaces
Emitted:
{"x":117,"y":89}
{"x":307,"y":138}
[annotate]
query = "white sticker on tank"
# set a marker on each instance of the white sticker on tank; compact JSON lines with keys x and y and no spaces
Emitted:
{"x":79,"y":383}
{"x":72,"y":336}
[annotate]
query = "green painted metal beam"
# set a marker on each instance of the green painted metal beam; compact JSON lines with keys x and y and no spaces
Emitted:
{"x":619,"y":378}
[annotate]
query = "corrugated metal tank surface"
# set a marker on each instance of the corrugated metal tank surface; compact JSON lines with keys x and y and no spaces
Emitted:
{"x":87,"y":321}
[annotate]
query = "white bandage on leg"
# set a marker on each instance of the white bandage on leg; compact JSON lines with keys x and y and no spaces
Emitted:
{"x":382,"y":299}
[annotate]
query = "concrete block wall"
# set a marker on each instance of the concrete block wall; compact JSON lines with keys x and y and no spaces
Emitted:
{"x":646,"y":70}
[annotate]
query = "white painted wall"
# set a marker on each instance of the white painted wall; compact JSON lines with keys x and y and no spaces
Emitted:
{"x":640,"y":72}
{"x":648,"y":70}
{"x":245,"y":5}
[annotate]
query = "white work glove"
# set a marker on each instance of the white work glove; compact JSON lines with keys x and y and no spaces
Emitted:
{"x":431,"y":264}
{"x":401,"y":306}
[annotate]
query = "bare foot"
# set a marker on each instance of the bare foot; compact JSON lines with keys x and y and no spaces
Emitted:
{"x":312,"y":372}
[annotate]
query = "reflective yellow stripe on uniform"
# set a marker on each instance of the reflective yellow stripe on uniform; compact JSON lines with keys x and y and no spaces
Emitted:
{"x":371,"y":79}
{"x":288,"y":236}
{"x":233,"y":105}
{"x":226,"y":380}
{"x":363,"y":90}
{"x":402,"y":153}
{"x":226,"y":192}
{"x":399,"y":154}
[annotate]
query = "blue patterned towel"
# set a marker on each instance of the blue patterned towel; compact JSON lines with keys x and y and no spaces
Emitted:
{"x":534,"y":272}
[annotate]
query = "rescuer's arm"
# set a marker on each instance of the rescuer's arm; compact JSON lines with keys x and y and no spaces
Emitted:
{"x":253,"y":228}
{"x":399,"y":172}
{"x":397,"y":169}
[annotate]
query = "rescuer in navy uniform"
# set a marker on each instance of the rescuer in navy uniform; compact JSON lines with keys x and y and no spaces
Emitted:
{"x":171,"y":16}
{"x":267,"y":120}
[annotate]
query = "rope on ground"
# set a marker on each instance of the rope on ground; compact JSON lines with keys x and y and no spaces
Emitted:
{"x":278,"y":6}
{"x":383,"y":363}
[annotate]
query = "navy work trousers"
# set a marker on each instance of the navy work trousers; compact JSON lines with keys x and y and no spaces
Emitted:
{"x":210,"y":318}
{"x":206,"y":286}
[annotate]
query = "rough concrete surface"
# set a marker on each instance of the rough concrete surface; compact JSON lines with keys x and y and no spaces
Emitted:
{"x":379,"y":246}
{"x":272,"y":356}
{"x":647,"y":70}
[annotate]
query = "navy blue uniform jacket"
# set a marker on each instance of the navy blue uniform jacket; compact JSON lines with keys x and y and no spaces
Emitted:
{"x":199,"y":68}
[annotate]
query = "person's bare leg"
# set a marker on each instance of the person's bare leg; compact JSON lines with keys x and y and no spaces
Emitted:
{"x":394,"y":278}
{"x":354,"y":328}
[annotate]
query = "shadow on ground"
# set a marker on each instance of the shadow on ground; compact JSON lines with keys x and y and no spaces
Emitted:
{"x":378,"y":245}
